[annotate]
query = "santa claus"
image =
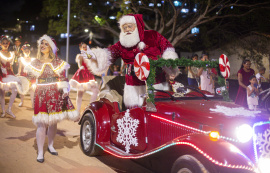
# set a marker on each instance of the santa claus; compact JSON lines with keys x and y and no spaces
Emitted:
{"x":133,"y":40}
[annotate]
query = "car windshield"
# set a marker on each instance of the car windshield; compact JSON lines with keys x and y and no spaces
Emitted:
{"x":182,"y":92}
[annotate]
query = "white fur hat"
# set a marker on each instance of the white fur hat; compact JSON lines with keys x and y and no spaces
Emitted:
{"x":51,"y":42}
{"x":126,"y":19}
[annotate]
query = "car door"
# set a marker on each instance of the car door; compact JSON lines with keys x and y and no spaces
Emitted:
{"x":128,"y":130}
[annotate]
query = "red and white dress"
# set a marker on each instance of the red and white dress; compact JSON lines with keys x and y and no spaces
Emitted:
{"x":83,"y":79}
{"x":9,"y":80}
{"x":49,"y":106}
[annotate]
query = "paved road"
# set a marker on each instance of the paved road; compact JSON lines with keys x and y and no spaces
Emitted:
{"x":18,"y":149}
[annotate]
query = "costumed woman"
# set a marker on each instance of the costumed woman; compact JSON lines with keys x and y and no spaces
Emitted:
{"x":83,"y":80}
{"x":24,"y":61}
{"x":51,"y":101}
{"x":243,"y":76}
{"x":9,"y":81}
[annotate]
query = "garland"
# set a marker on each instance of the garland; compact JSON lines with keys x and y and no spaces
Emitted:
{"x":224,"y":93}
{"x":183,"y":62}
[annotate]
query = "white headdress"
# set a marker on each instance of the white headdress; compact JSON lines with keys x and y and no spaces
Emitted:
{"x":51,"y":42}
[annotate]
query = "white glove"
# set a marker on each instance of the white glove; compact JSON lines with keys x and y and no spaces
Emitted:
{"x":4,"y":70}
{"x":65,"y":93}
{"x":88,"y":54}
{"x":82,"y":67}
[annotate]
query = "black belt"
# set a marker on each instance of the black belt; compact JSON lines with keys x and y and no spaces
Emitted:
{"x":47,"y":80}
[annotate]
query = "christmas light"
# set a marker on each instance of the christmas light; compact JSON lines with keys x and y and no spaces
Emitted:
{"x":7,"y":59}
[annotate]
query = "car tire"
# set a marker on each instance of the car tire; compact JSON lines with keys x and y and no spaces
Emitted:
{"x":88,"y":136}
{"x":188,"y":164}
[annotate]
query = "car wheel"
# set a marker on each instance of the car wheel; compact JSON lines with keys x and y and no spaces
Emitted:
{"x":88,"y":136}
{"x":188,"y":164}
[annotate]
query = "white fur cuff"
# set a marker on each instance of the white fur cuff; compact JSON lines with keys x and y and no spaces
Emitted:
{"x":133,"y":95}
{"x":102,"y":62}
{"x":62,"y":85}
{"x":170,"y":53}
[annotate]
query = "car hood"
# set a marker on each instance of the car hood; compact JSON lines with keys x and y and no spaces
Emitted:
{"x":209,"y":112}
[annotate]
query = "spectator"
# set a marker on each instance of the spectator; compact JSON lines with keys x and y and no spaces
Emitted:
{"x":260,"y":77}
{"x":243,"y":76}
{"x":192,"y":73}
{"x":206,"y":76}
{"x":116,"y":71}
{"x":18,"y":53}
{"x":252,"y":93}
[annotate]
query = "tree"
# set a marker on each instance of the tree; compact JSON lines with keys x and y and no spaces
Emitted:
{"x":173,"y":19}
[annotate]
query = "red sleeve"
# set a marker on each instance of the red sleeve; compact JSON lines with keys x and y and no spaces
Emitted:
{"x":115,"y":51}
{"x":163,"y":43}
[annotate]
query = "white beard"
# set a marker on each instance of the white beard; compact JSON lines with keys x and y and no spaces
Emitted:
{"x":130,"y":40}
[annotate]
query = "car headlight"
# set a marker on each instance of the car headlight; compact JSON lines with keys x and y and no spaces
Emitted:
{"x":263,"y":165}
{"x":244,"y":133}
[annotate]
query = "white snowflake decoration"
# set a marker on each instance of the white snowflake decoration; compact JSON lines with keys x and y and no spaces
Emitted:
{"x":127,"y":128}
{"x":234,"y":111}
{"x":263,"y":141}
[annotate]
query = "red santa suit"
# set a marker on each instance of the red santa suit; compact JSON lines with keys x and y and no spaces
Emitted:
{"x":149,"y":42}
{"x":9,"y":80}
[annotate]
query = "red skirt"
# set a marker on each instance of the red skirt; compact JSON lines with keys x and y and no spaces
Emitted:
{"x":50,"y":107}
{"x":83,"y":76}
{"x":83,"y":80}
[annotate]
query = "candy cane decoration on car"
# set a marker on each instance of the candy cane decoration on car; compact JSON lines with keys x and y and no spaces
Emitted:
{"x":141,"y":66}
{"x":224,"y":66}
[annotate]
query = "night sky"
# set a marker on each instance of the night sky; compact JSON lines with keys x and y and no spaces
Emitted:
{"x":22,"y":9}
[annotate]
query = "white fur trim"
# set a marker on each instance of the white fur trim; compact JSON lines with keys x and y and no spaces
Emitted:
{"x":24,"y":85}
{"x":53,"y":118}
{"x":10,"y":82}
{"x":63,"y":66}
{"x":102,"y":62}
{"x":63,"y":84}
{"x":37,"y":72}
{"x":162,"y":86}
{"x":126,"y":19}
{"x":132,"y":95}
{"x":49,"y":40}
{"x":141,"y":45}
{"x":5,"y":59}
{"x":88,"y":86}
{"x":170,"y":53}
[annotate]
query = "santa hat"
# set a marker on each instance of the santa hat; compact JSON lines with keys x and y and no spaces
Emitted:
{"x":25,"y":46}
{"x":51,"y":42}
{"x":138,"y":20}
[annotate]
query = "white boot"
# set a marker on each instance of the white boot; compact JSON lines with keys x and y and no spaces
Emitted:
{"x":3,"y":114}
{"x":10,"y":112}
{"x":20,"y":104}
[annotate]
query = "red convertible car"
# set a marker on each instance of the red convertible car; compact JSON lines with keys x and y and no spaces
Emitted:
{"x":184,"y":133}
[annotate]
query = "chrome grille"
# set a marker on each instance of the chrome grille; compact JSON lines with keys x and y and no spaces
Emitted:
{"x":261,"y":140}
